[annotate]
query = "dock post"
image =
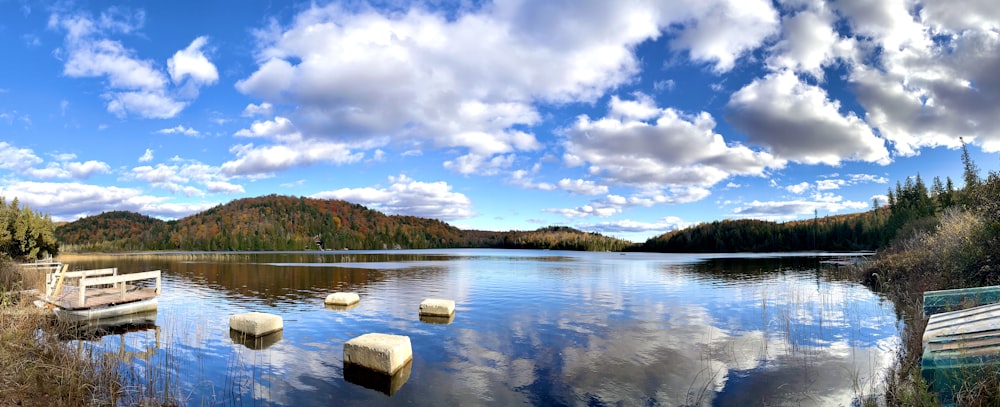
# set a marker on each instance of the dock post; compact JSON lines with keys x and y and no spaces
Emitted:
{"x":158,"y":284}
{"x":83,"y":289}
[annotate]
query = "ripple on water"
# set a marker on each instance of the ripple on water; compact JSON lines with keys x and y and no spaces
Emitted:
{"x":531,"y":327}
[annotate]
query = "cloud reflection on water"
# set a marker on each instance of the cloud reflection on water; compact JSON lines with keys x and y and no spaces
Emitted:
{"x":579,"y":328}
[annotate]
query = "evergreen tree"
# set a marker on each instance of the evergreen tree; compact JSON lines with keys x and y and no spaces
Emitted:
{"x":24,"y":234}
{"x":970,"y":173}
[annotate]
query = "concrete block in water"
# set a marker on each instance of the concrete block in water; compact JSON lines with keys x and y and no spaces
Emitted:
{"x":382,"y":353}
{"x":256,"y":323}
{"x":437,"y":307}
{"x":342,"y":299}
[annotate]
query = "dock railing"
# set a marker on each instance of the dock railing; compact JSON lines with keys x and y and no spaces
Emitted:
{"x":55,"y":280}
{"x":118,"y":281}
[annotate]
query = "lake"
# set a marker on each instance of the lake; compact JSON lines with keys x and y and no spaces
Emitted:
{"x":530,"y":327}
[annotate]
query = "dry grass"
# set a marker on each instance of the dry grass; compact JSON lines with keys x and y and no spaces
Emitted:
{"x":39,"y":369}
{"x":951,"y":256}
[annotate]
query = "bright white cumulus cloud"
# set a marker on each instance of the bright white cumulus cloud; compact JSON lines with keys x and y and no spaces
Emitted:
{"x":790,"y":209}
{"x":642,"y":145}
{"x":72,"y":200}
{"x":133,"y":85}
{"x":406,"y":196}
{"x":799,"y":122}
{"x":934,"y":79}
{"x":662,"y":225}
{"x":282,"y":146}
{"x":409,"y":76}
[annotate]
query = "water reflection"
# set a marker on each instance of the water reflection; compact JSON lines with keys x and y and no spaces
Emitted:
{"x":380,"y":382}
{"x":534,"y":327}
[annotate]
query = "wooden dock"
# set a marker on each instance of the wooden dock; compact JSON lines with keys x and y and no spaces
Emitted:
{"x":79,"y":293}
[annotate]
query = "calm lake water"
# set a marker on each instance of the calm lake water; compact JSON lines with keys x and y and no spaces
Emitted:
{"x":531,"y":327}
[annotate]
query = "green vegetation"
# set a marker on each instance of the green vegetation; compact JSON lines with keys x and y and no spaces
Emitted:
{"x":854,"y":232}
{"x":24,"y":234}
{"x":949,"y":241}
{"x":288,"y":223}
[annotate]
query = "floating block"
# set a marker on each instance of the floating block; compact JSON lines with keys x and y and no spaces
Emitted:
{"x":434,"y":307}
{"x":381,"y":353}
{"x":256,"y":323}
{"x":342,"y":299}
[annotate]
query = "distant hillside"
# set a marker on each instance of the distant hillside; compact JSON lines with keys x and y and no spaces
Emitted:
{"x":118,"y":230}
{"x":858,"y":231}
{"x":289,"y":223}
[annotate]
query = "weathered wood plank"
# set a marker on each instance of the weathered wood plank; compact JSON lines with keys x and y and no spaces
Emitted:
{"x":97,"y":297}
{"x":120,"y":278}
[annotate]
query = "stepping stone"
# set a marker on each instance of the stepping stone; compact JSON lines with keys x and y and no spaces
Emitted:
{"x":256,"y":323}
{"x":381,"y":353}
{"x":434,"y":307}
{"x":342,"y":299}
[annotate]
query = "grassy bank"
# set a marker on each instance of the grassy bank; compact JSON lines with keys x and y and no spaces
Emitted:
{"x":40,"y":369}
{"x":956,"y":253}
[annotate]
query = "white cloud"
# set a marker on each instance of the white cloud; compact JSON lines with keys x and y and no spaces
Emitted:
{"x":799,"y":188}
{"x":133,"y":85}
{"x":828,"y":184}
{"x":582,"y":187}
{"x":586,"y":211}
{"x":796,"y":208}
{"x":149,"y":104}
{"x":363,"y":74}
{"x":191,"y":65}
{"x":179,"y":176}
{"x":932,"y":77}
{"x":70,"y":201}
{"x":179,"y":129}
{"x":866,"y":178}
{"x":662,"y":225}
{"x":83,"y":170}
{"x":262,"y":160}
{"x":723,"y":31}
{"x":798,"y":122}
{"x":277,"y":129}
{"x":809,"y":43}
{"x":17,"y":159}
{"x":283,"y":146}
{"x":613,"y":204}
{"x":524,"y":179}
{"x":263,"y":109}
{"x":223,"y":187}
{"x":670,"y":148}
{"x":147,"y":156}
{"x":405,"y":196}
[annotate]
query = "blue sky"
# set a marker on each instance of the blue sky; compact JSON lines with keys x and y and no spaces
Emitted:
{"x":628,"y":118}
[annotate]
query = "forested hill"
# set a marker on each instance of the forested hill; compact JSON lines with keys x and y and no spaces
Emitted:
{"x":859,"y":231}
{"x":290,"y":223}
